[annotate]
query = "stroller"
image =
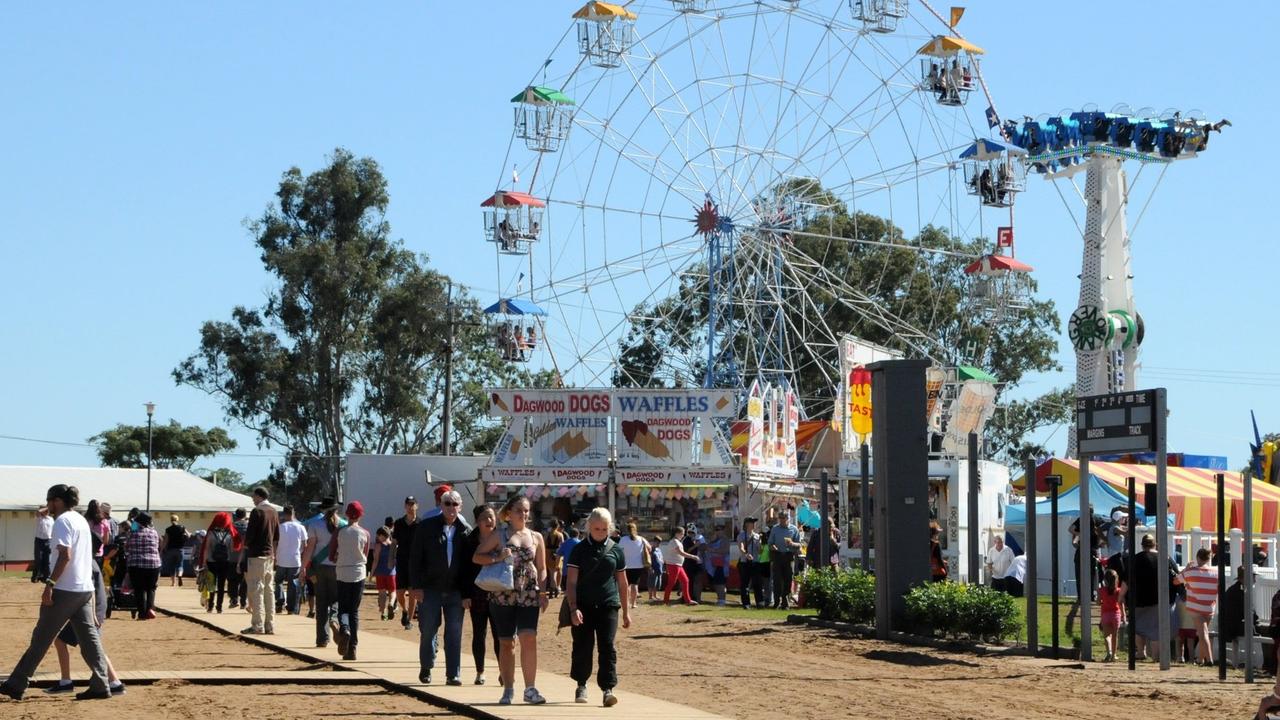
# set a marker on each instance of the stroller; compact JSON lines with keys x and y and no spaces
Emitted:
{"x":121,"y":595}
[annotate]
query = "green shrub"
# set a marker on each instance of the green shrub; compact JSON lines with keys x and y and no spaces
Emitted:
{"x":963,"y":611}
{"x":843,"y":595}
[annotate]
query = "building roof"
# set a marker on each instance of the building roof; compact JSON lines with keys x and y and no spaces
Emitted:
{"x":23,"y":487}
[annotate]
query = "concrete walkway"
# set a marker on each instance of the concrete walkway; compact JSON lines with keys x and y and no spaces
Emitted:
{"x":295,"y":636}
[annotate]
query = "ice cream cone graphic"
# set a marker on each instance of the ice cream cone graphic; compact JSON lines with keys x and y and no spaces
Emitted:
{"x":499,"y":402}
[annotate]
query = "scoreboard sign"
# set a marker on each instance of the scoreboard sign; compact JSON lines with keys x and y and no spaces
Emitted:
{"x":1119,"y":422}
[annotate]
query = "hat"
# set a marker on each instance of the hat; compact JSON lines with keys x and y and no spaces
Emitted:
{"x":441,"y":490}
{"x":355,"y":510}
{"x":1118,"y":515}
{"x":411,"y":500}
{"x":327,"y":502}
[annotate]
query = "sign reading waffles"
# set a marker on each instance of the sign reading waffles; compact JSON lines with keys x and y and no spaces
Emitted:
{"x":673,"y":428}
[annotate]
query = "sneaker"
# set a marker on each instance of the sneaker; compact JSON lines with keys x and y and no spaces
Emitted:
{"x":504,"y":700}
{"x":61,"y":687}
{"x":533,"y":697}
{"x":342,"y":636}
{"x":610,"y":699}
{"x":252,"y":631}
{"x":580,"y":695}
{"x":10,"y":692}
{"x":479,"y":679}
{"x":94,"y":695}
{"x":117,"y":689}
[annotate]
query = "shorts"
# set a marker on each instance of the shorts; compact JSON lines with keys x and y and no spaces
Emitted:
{"x":385,"y":582}
{"x":634,"y":575}
{"x":1188,"y":633}
{"x":512,"y":620}
{"x":172,"y":562}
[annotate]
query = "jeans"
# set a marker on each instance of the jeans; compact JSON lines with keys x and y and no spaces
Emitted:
{"x":434,"y":604}
{"x":221,"y":569}
{"x":287,"y":588}
{"x":40,"y":564}
{"x":262,"y":603}
{"x":482,"y":624}
{"x":749,"y":581}
{"x":144,"y":587}
{"x":764,"y":573}
{"x":349,"y":596}
{"x":693,"y":570}
{"x":236,"y":585}
{"x":598,"y":628}
{"x":783,"y":569}
{"x":77,"y":609}
{"x":326,"y":596}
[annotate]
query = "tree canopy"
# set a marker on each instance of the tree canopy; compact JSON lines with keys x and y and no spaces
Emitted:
{"x":173,"y":445}
{"x":864,"y":268}
{"x":346,"y":354}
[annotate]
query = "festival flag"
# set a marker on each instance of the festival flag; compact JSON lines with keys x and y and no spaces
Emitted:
{"x":992,"y":118}
{"x":956,"y":14}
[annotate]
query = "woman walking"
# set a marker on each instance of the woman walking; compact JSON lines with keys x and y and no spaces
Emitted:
{"x":475,"y":600}
{"x":143,"y":550}
{"x":717,"y":555}
{"x":382,"y":560}
{"x":634,"y":549}
{"x":596,"y":588}
{"x":220,"y":544}
{"x":555,"y":538}
{"x":349,"y":553}
{"x":675,"y":555}
{"x":175,"y":537}
{"x":516,"y":611}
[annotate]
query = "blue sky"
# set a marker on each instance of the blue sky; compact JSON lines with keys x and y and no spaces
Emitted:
{"x":141,"y":136}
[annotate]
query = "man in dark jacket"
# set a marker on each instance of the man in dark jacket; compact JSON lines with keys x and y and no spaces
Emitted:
{"x":437,"y":569}
{"x":261,"y":537}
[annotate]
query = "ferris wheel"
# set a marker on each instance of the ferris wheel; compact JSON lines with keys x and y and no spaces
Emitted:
{"x":680,"y":173}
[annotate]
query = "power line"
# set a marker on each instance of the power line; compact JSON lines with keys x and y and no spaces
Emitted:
{"x":96,"y":446}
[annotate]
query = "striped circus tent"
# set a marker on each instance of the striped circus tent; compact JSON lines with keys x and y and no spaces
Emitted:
{"x":1193,"y":492}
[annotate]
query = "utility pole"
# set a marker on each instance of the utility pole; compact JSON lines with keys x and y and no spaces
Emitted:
{"x":446,"y":424}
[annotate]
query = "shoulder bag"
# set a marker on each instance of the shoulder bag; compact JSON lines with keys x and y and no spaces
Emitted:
{"x":499,"y":576}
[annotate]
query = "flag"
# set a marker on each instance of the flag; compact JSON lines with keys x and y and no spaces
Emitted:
{"x":993,"y":119}
{"x":956,"y":14}
{"x":515,"y":176}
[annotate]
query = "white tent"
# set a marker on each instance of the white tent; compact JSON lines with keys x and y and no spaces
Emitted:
{"x":23,"y":488}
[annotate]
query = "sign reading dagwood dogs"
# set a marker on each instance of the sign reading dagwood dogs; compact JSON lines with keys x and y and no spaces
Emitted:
{"x":663,"y":435}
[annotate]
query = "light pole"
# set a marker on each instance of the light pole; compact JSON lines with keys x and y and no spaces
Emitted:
{"x":151,"y":411}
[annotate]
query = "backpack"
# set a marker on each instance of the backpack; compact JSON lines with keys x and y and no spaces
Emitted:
{"x":221,"y":546}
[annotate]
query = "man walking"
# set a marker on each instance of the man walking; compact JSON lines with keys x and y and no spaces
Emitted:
{"x":319,"y":566}
{"x":261,"y":539}
{"x":748,"y":552}
{"x":784,"y":540}
{"x":44,"y":531}
{"x":288,"y":561}
{"x":401,"y":547}
{"x":67,"y":598}
{"x":436,"y":568}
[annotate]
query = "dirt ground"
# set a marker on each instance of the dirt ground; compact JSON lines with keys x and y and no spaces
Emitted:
{"x":748,"y":668}
{"x":173,"y":644}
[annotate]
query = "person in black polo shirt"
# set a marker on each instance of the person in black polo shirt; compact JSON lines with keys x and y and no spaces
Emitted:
{"x":402,"y":542}
{"x":597,"y":582}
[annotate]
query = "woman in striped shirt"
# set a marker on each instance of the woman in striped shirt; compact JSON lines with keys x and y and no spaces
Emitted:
{"x":1201,"y":582}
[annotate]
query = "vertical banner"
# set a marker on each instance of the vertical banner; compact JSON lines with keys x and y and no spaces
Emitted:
{"x":755,"y":427}
{"x":773,"y":417}
{"x":934,"y":379}
{"x":969,"y":413}
{"x":854,"y":355}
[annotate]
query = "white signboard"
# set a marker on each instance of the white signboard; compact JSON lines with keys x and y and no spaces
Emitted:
{"x":854,"y":415}
{"x":539,"y":475}
{"x":772,"y":420}
{"x":728,"y":476}
{"x":552,"y":428}
{"x":673,"y":428}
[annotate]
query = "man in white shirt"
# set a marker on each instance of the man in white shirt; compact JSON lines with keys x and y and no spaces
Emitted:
{"x":44,"y":531}
{"x":293,"y":536}
{"x":999,"y":558}
{"x":68,"y":598}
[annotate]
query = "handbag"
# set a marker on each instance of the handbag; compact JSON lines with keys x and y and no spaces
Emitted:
{"x":499,"y":576}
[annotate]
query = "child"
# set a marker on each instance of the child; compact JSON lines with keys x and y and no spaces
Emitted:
{"x":1111,"y":595}
{"x":567,"y":547}
{"x":384,"y":575}
{"x":656,"y":579}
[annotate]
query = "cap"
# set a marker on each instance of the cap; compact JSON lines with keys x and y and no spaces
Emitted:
{"x":441,"y":490}
{"x":355,"y":510}
{"x":411,"y":500}
{"x":1117,"y":516}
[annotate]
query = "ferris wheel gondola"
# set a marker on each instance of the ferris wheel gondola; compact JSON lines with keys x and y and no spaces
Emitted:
{"x":993,"y":171}
{"x":947,"y":68}
{"x":605,"y":32}
{"x":512,"y":221}
{"x":515,"y":325}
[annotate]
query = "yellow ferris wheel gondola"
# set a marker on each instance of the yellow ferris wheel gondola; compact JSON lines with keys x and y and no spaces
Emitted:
{"x":605,"y":32}
{"x":947,"y":68}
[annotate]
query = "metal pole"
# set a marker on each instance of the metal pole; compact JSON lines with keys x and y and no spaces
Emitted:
{"x":971,"y":547}
{"x":864,"y":497}
{"x":824,"y":529}
{"x":446,"y":423}
{"x":1131,"y":568}
{"x":1030,"y":591}
{"x":1162,"y":528}
{"x":1053,"y":557}
{"x":1246,"y":560}
{"x":148,"y":463}
{"x":1221,"y":480}
{"x":1084,"y":565}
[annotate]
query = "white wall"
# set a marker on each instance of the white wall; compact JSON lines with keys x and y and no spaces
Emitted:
{"x":381,"y":482}
{"x":995,"y":484}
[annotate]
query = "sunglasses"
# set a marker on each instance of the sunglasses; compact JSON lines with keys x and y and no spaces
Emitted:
{"x":450,"y":503}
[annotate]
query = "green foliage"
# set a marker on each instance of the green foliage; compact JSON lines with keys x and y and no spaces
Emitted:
{"x":953,"y":609}
{"x":1015,"y":420}
{"x":173,"y":445}
{"x":347,"y":353}
{"x":843,"y":595}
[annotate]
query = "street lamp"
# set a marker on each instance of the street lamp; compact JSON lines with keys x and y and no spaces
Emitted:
{"x":151,"y":410}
